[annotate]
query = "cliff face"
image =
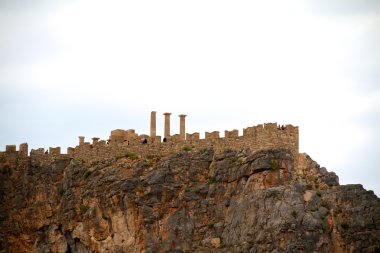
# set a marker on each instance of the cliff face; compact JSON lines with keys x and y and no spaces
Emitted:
{"x":193,"y":201}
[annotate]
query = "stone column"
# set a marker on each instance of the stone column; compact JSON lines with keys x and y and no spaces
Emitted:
{"x":167,"y":125}
{"x":182,"y":131}
{"x":95,"y":140}
{"x":81,"y":140}
{"x":153,"y":124}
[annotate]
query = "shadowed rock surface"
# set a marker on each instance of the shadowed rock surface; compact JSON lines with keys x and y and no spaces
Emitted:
{"x":193,"y":201}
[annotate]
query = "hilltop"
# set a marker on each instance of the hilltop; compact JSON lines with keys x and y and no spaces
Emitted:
{"x":250,"y":193}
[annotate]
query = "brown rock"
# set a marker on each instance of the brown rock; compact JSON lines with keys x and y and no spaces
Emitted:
{"x":194,"y":201}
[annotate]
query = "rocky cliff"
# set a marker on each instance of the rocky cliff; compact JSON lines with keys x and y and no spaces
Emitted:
{"x":193,"y":201}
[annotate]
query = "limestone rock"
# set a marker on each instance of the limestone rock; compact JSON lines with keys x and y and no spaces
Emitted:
{"x":195,"y":201}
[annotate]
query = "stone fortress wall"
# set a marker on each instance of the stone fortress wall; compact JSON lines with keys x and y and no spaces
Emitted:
{"x":128,"y":142}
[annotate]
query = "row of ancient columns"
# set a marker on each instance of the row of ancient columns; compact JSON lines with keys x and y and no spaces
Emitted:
{"x":182,"y":132}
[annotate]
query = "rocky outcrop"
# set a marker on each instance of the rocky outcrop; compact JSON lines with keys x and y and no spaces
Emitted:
{"x":192,"y":201}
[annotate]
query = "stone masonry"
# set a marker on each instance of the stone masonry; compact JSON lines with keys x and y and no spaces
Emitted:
{"x":122,"y":142}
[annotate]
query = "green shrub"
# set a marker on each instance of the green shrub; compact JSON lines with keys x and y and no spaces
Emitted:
{"x":203,"y":150}
{"x":84,"y":209}
{"x":316,"y":183}
{"x":87,"y":174}
{"x":62,"y":192}
{"x":239,"y":160}
{"x":268,"y":178}
{"x":337,"y":211}
{"x":211,"y":180}
{"x":132,"y":156}
{"x":186,"y":148}
{"x":344,"y":225}
{"x":324,"y":224}
{"x":273,"y":164}
{"x":325,"y":204}
{"x":151,"y":157}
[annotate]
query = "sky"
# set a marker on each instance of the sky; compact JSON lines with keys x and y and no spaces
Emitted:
{"x":85,"y":67}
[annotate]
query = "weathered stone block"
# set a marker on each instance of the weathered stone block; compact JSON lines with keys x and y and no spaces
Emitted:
{"x":231,"y":134}
{"x":55,"y":151}
{"x":192,"y":137}
{"x":212,"y":135}
{"x":23,"y":150}
{"x":10,"y":148}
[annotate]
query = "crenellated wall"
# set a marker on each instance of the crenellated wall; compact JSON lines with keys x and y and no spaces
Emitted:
{"x":192,"y":137}
{"x":255,"y":138}
{"x":10,"y":148}
{"x":23,"y":149}
{"x":212,"y":135}
{"x":125,"y":142}
{"x":231,"y":134}
{"x":55,"y":151}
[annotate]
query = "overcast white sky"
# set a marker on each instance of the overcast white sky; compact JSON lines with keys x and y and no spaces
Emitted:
{"x":70,"y":68}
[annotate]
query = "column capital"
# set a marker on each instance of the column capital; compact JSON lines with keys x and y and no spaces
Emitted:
{"x":182,"y":115}
{"x":167,"y":113}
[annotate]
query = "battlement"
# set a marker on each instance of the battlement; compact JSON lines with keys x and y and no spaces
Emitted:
{"x":192,"y":137}
{"x":122,"y":142}
{"x":55,"y":151}
{"x":212,"y":135}
{"x":10,"y":148}
{"x":231,"y":134}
